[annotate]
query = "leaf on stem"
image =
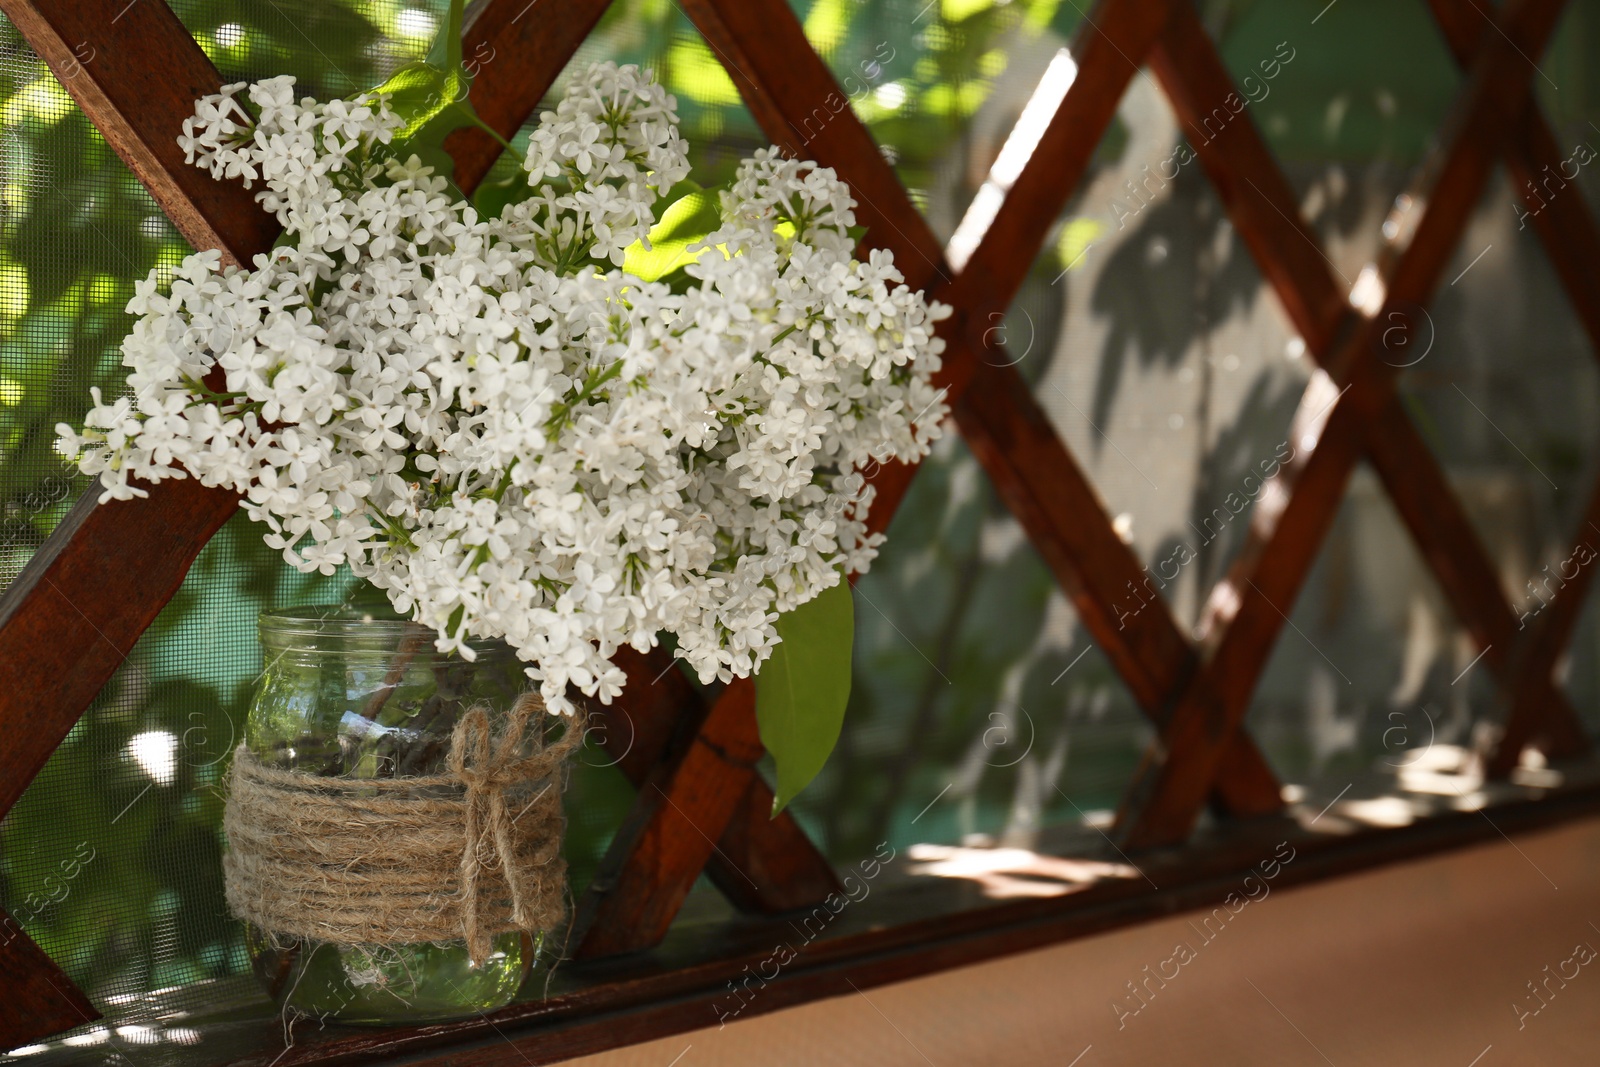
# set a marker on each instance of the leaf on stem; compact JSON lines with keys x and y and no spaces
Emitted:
{"x":431,"y":96}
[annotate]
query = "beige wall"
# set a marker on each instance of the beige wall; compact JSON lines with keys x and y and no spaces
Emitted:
{"x":1414,"y":965}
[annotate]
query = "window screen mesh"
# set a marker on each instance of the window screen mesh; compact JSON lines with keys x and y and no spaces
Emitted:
{"x":981,"y":710}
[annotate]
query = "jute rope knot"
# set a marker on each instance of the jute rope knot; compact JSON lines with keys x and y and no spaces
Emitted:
{"x":466,"y":854}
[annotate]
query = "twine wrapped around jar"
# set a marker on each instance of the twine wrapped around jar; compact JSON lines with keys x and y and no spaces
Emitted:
{"x":392,"y":861}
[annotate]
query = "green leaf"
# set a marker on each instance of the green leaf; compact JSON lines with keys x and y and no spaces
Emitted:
{"x":445,"y":51}
{"x":434,"y":104}
{"x":428,"y":143}
{"x":802,"y":689}
{"x":418,"y":92}
{"x":681,"y":190}
{"x":693,"y":215}
{"x":431,"y":97}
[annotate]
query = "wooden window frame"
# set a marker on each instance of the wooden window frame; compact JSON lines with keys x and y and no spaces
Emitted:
{"x":701,"y":804}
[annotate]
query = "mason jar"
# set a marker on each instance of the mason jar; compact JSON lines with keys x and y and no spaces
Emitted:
{"x":357,"y":695}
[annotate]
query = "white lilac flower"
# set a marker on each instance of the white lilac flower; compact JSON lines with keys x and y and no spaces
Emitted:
{"x":492,"y":422}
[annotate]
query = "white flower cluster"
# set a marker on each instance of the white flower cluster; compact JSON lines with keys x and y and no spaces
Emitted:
{"x":497,"y":426}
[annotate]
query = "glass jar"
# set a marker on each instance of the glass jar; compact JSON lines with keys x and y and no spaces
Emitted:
{"x":362,"y":695}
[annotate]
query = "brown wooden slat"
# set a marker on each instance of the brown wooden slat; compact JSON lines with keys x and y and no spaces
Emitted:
{"x":1463,"y":568}
{"x":514,"y":52}
{"x":761,"y":864}
{"x":701,"y":805}
{"x":1283,"y":542}
{"x":73,"y":615}
{"x":637,"y":727}
{"x":894,"y":933}
{"x":36,"y":998}
{"x":1564,"y":222}
{"x":1069,"y":526}
{"x":1259,"y":200}
{"x":1262,"y":206}
{"x":668,"y":836}
{"x":1532,"y":715}
{"x":765,"y":865}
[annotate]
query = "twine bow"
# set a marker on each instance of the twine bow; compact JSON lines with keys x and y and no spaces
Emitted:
{"x":486,"y":768}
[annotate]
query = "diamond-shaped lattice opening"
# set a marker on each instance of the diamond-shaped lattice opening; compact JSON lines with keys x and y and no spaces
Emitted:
{"x":331,"y":49}
{"x":1373,"y":682}
{"x":980,"y":711}
{"x":939,"y":83}
{"x":1506,"y":390}
{"x":1162,"y":357}
{"x":713,"y":118}
{"x":1348,"y":113}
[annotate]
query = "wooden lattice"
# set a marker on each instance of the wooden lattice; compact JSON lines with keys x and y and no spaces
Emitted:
{"x":70,"y":619}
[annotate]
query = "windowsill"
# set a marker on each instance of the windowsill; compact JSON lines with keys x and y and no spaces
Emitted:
{"x":928,"y":908}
